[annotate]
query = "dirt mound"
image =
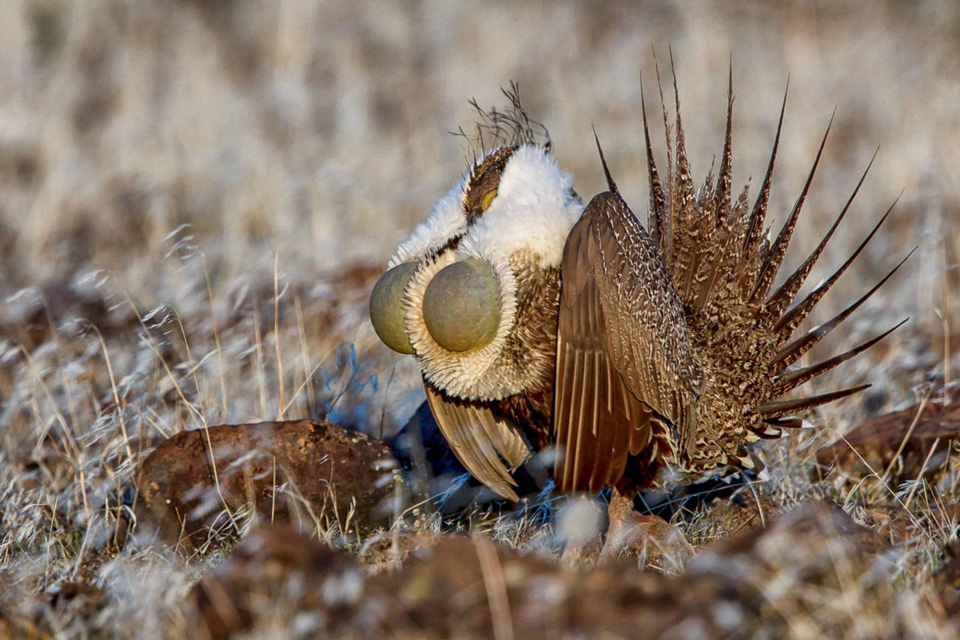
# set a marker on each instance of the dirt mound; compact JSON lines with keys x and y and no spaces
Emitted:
{"x":311,"y":473}
{"x":903,"y":445}
{"x":799,"y":566}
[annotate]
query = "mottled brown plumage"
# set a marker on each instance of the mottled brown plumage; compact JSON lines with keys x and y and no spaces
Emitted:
{"x":634,"y":350}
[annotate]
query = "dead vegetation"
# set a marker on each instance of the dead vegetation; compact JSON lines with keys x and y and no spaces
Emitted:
{"x":195,"y":199}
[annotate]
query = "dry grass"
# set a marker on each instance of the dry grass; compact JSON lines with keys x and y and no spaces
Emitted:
{"x":196,"y":197}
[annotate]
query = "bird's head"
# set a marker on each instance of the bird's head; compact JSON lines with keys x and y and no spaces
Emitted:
{"x":457,"y":291}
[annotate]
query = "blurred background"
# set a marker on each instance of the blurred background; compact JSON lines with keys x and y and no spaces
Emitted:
{"x":243,"y":170}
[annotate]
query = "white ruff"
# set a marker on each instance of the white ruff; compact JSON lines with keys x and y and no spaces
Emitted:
{"x":447,"y":220}
{"x":461,"y":374}
{"x":534,"y":209}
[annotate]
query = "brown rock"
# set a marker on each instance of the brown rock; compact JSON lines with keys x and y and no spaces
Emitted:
{"x":275,"y":568}
{"x":307,"y":472}
{"x":803,"y":543}
{"x":917,"y":440}
{"x":465,"y":587}
{"x":810,"y":563}
{"x":654,"y":541}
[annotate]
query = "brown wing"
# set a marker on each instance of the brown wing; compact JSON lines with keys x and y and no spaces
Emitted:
{"x":481,"y":441}
{"x":623,"y":354}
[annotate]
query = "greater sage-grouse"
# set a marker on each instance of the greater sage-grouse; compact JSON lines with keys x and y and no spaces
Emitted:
{"x":540,"y":322}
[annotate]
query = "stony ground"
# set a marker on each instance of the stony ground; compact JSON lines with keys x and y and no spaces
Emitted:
{"x":195,"y":200}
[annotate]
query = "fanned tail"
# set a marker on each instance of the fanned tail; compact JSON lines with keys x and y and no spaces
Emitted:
{"x":723,"y":266}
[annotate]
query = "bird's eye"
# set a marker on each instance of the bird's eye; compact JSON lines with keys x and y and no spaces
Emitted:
{"x":487,"y":200}
{"x":461,"y":306}
{"x":386,"y":307}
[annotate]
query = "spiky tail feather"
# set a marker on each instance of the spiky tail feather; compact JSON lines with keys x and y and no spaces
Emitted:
{"x":724,"y":267}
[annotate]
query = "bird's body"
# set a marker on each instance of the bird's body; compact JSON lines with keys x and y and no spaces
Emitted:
{"x":631,"y":350}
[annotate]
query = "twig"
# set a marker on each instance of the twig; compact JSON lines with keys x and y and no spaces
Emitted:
{"x":496,"y":588}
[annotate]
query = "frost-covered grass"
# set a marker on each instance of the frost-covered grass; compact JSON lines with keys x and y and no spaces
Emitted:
{"x":195,"y":199}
